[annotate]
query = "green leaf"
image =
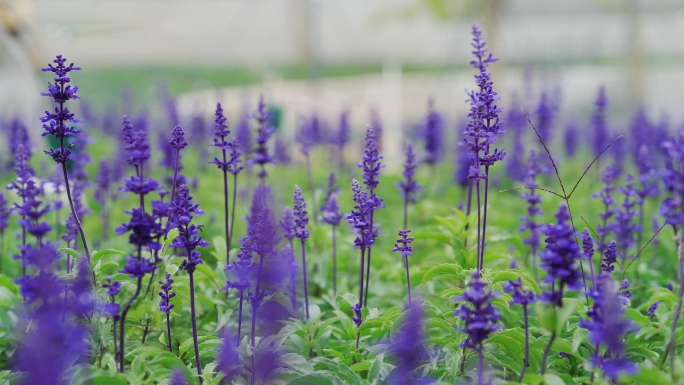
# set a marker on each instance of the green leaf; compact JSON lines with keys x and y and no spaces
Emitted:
{"x":362,"y":366}
{"x":651,"y":376}
{"x":97,"y":255}
{"x":69,"y":251}
{"x":374,"y":370}
{"x":444,"y":269}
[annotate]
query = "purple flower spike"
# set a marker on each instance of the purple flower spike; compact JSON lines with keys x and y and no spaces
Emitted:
{"x":598,"y":122}
{"x":371,"y":161}
{"x":480,"y":317}
{"x":609,"y":257}
{"x":433,"y":134}
{"x":177,"y":378}
{"x":409,"y":187}
{"x":561,"y":257}
{"x":607,"y":327}
{"x":652,"y":309}
{"x":287,"y":223}
{"x":330,"y":212}
{"x":521,"y":296}
{"x":166,"y":294}
{"x":300,"y":214}
{"x":407,"y":347}
{"x":228,"y":359}
{"x":178,"y":141}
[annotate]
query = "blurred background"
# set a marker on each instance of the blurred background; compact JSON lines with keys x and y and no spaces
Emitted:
{"x":379,"y":59}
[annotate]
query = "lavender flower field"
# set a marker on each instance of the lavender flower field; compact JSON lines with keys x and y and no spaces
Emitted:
{"x":513,"y":245}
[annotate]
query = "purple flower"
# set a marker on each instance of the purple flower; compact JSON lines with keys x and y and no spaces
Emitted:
{"x":281,"y":152}
{"x":652,"y":309}
{"x":606,"y":196}
{"x":571,"y":139}
{"x":433,"y":134}
{"x":144,"y":229}
{"x":403,"y":244}
{"x":287,"y":223}
{"x":598,"y":122}
{"x":177,"y":378}
{"x":221,"y":130}
{"x":625,"y":226}
{"x":228,"y":359}
{"x":648,"y":186}
{"x":261,"y":156}
{"x":188,"y":239}
{"x":166,"y":294}
{"x":607,"y":327}
{"x":58,"y":123}
{"x":4,"y":213}
{"x":624,"y":289}
{"x":330,"y":212}
{"x":300,"y":215}
{"x":343,"y":133}
{"x":360,"y":216}
{"x":462,"y":167}
{"x":609,"y":257}
{"x":519,"y":293}
{"x":178,"y":141}
{"x":477,"y":312}
{"x":243,"y":134}
{"x":135,"y":143}
{"x":561,"y":257}
{"x":407,"y":347}
{"x":357,"y":318}
{"x":533,"y":211}
{"x":484,"y":125}
{"x":371,"y":161}
{"x":545,"y":114}
{"x":409,"y":187}
{"x":137,"y":267}
{"x":673,"y":177}
{"x":243,"y":268}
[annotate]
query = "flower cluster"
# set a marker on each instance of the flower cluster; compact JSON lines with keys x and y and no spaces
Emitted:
{"x":480,"y":317}
{"x":409,"y":187}
{"x":484,"y":125}
{"x":607,"y":327}
{"x":561,"y":257}
{"x":407,"y":347}
{"x":433,"y":134}
{"x":371,"y":165}
{"x":188,"y":239}
{"x":301,"y":218}
{"x":59,"y":122}
{"x":166,"y":294}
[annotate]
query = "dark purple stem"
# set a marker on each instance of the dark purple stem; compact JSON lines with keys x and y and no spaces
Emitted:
{"x":232,"y":213}
{"x":193,"y":318}
{"x":334,"y":258}
{"x":226,"y":209}
{"x":306,"y":286}
{"x":408,"y":279}
{"x":526,"y":362}
{"x":484,"y":218}
{"x":168,"y":331}
{"x":479,"y":218}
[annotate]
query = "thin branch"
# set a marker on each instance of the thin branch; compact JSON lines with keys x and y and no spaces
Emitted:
{"x":643,"y":247}
{"x":532,"y":187}
{"x":591,"y":164}
{"x":565,"y":195}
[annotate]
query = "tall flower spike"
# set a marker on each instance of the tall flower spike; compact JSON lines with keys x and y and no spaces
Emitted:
{"x":609,"y":257}
{"x":561,"y":257}
{"x":178,"y":138}
{"x":228,"y":359}
{"x":433,"y":134}
{"x":189,"y":240}
{"x":407,"y":347}
{"x":598,"y":122}
{"x":301,"y":232}
{"x":300,"y":214}
{"x":409,"y":187}
{"x":371,"y":161}
{"x":530,"y":222}
{"x":479,"y":316}
{"x":607,"y":327}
